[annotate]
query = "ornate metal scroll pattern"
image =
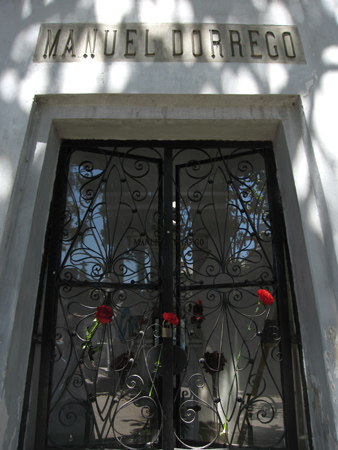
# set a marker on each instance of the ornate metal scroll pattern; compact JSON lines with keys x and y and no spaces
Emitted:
{"x":224,"y":220}
{"x":101,"y":390}
{"x":101,"y":387}
{"x":106,"y":390}
{"x":233,"y":347}
{"x":111,"y":228}
{"x":232,"y":340}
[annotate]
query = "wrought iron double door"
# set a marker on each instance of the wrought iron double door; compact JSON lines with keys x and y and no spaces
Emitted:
{"x":148,"y":230}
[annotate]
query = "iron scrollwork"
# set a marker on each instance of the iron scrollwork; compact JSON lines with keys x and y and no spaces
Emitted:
{"x":109,"y":393}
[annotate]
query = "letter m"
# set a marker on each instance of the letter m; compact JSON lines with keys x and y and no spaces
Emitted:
{"x":54,"y":45}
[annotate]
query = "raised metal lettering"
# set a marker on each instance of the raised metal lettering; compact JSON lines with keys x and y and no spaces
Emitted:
{"x":172,"y":43}
{"x":253,"y":44}
{"x":272,"y":55}
{"x":285,"y":35}
{"x":129,"y":42}
{"x":215,"y":43}
{"x":147,"y":53}
{"x":70,"y":41}
{"x":54,"y":44}
{"x":235,"y":42}
{"x":177,"y":33}
{"x":196,"y":36}
{"x":89,"y":43}
{"x":106,"y":42}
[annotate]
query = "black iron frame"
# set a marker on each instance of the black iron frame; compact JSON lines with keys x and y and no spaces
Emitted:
{"x":51,"y":249}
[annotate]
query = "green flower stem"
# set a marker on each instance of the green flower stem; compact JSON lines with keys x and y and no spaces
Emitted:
{"x":157,"y":366}
{"x":91,"y":334}
{"x":236,"y":368}
{"x":84,"y":347}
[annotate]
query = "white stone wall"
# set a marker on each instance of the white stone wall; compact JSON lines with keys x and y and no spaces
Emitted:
{"x":294,"y":105}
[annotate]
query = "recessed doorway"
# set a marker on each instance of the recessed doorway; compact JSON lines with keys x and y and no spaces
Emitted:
{"x":144,"y":229}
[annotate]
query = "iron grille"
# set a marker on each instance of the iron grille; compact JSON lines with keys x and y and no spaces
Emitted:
{"x":149,"y":229}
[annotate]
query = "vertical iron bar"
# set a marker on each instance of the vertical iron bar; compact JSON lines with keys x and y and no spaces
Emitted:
{"x":53,"y":249}
{"x":178,"y":240}
{"x":278,"y":238}
{"x":299,"y":347}
{"x":32,"y":353}
{"x":167,"y":304}
{"x":177,"y":421}
{"x":159,"y":311}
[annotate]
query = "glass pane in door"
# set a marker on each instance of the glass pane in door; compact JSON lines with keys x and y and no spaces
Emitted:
{"x":146,"y":228}
{"x":231,"y":390}
{"x":101,"y":383}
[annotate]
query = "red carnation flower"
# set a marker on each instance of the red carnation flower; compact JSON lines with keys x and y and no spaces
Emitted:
{"x":213,"y":362}
{"x":104,"y":314}
{"x":171,"y":318}
{"x":265,"y":297}
{"x":197,"y":313}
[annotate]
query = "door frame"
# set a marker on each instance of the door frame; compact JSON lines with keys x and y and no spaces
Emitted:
{"x":168,"y":425}
{"x":279,"y":118}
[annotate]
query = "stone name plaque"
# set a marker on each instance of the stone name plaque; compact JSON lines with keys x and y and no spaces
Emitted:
{"x":206,"y":42}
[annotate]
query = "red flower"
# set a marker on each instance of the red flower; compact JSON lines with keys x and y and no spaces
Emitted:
{"x":104,"y":314}
{"x":171,"y":318}
{"x":265,"y":297}
{"x":197,"y":313}
{"x":213,"y":362}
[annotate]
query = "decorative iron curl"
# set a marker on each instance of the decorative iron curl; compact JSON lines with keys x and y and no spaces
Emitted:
{"x":65,"y":288}
{"x":246,"y":194}
{"x":235,"y":295}
{"x":141,"y":167}
{"x":148,"y":411}
{"x":213,"y":268}
{"x":234,"y":268}
{"x":86,"y":169}
{"x":266,"y":274}
{"x":276,"y":354}
{"x":211,"y":295}
{"x":96,"y":295}
{"x":121,"y":296}
{"x":134,"y":381}
{"x":264,"y":415}
{"x":77,"y":381}
{"x":246,"y":168}
{"x":138,"y":196}
{"x":255,"y":378}
{"x":96,"y":270}
{"x":86,"y":194}
{"x":68,"y":418}
{"x":188,"y":414}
